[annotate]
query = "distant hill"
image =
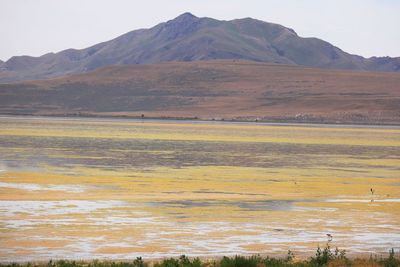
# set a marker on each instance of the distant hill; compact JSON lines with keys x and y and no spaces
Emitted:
{"x":189,"y":38}
{"x":227,"y":89}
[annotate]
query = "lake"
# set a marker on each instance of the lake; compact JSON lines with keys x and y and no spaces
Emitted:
{"x":118,"y":189}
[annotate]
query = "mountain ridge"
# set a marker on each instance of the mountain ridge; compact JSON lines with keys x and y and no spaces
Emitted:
{"x":190,"y":38}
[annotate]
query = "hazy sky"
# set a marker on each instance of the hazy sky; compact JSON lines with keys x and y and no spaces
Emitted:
{"x":36,"y":27}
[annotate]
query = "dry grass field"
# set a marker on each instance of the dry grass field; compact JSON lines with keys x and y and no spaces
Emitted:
{"x":229,"y":90}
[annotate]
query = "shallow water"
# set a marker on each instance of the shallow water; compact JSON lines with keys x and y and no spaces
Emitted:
{"x":119,"y":189}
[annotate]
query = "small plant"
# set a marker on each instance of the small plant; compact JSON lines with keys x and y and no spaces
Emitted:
{"x":391,"y":261}
{"x":322,"y":257}
{"x":186,"y":262}
{"x":290,"y":256}
{"x":183,"y":261}
{"x":240,"y":261}
{"x":50,"y":263}
{"x":273,"y":262}
{"x":171,"y":262}
{"x":138,"y":262}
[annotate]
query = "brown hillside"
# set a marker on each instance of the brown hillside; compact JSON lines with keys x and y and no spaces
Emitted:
{"x":214,"y":89}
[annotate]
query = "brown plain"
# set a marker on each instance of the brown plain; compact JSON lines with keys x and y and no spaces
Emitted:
{"x":229,"y":90}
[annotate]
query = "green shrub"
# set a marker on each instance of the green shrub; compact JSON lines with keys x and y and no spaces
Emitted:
{"x":324,"y":256}
{"x":171,"y":262}
{"x":240,"y":261}
{"x":391,"y":261}
{"x":138,"y":262}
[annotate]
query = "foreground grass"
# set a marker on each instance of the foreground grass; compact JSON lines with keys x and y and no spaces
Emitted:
{"x":323,"y":257}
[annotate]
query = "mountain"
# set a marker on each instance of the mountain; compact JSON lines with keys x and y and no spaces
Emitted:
{"x":189,"y":38}
{"x":227,"y":89}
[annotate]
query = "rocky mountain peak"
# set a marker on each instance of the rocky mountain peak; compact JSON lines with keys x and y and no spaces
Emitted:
{"x":181,"y":25}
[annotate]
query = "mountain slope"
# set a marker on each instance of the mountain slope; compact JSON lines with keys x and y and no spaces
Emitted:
{"x":213,"y":89}
{"x":189,"y":38}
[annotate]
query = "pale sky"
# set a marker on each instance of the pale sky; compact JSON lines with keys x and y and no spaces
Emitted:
{"x":35,"y":27}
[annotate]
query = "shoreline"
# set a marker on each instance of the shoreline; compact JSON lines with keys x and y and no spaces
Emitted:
{"x":196,"y":120}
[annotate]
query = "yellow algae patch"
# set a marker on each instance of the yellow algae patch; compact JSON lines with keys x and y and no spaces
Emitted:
{"x":43,"y":177}
{"x":228,"y":233}
{"x":137,"y":249}
{"x":36,"y":243}
{"x":210,"y":132}
{"x":392,"y":208}
{"x":257,"y":247}
{"x":203,"y":183}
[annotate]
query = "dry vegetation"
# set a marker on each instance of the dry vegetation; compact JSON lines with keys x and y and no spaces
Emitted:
{"x":229,"y":90}
{"x":323,"y":257}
